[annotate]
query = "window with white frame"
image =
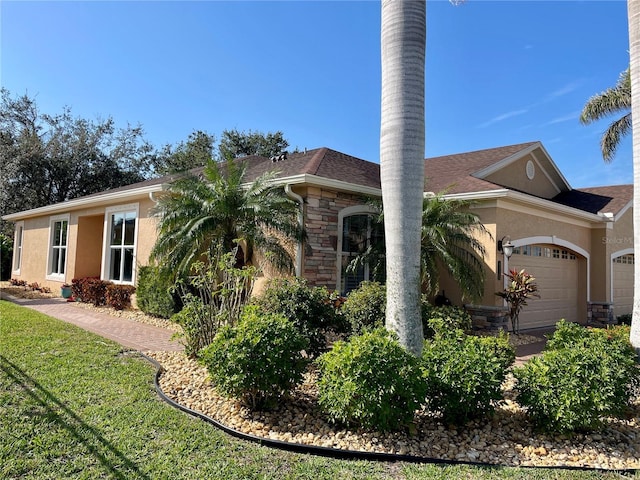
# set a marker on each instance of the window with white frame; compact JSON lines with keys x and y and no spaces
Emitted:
{"x":58,"y":235}
{"x":121,"y":244}
{"x":359,"y":232}
{"x":17,"y":250}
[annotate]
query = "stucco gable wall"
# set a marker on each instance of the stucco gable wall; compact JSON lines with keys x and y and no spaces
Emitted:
{"x":515,"y":176}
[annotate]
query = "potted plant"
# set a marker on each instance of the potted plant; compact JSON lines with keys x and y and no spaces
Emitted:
{"x":65,"y":290}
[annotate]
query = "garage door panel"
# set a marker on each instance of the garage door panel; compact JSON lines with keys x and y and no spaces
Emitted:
{"x":623,"y":285}
{"x":558,"y":286}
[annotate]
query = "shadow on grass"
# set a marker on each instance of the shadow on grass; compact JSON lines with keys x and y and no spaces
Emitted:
{"x":99,"y":446}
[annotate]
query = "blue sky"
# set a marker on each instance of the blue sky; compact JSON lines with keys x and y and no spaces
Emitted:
{"x":498,"y":72}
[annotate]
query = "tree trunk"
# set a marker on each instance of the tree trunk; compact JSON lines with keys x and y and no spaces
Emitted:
{"x":402,"y":142}
{"x":633,"y":9}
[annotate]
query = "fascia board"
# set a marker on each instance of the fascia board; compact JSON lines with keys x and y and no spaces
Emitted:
{"x":317,"y":181}
{"x":485,"y":172}
{"x":623,"y":211}
{"x":556,"y":207}
{"x":486,"y":195}
{"x":93,"y":201}
{"x":494,"y":167}
{"x":531,"y":201}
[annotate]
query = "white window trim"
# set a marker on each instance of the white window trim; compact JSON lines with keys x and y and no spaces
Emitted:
{"x":106,"y":248}
{"x":18,"y":248}
{"x":55,"y":276}
{"x":342,"y":214}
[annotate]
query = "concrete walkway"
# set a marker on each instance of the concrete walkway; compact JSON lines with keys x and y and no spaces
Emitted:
{"x":128,"y":333}
{"x":143,"y":337}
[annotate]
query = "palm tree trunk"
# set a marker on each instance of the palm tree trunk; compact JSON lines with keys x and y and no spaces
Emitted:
{"x":633,"y":10}
{"x":402,"y":142}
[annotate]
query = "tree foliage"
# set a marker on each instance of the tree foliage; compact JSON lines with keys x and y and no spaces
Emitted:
{"x":200,"y":213}
{"x":46,"y":159}
{"x":450,"y":240}
{"x":614,"y":100}
{"x":195,"y":152}
{"x":235,"y":144}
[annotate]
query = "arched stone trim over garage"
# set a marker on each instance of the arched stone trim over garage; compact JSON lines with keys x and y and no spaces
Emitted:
{"x":342,"y":214}
{"x":612,"y":266}
{"x":553,"y":240}
{"x":562,"y":272}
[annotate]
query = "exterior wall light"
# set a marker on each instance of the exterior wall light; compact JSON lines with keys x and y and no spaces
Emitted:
{"x":505,"y":246}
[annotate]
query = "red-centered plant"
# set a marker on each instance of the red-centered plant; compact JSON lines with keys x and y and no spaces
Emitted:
{"x":521,"y":287}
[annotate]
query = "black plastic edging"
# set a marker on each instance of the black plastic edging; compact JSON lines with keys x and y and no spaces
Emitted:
{"x":351,"y":454}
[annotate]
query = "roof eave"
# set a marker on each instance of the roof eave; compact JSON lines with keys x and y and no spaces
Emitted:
{"x":82,"y":202}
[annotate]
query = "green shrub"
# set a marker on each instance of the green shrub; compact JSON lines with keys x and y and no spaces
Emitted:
{"x":153,"y":293}
{"x":199,"y":325}
{"x":464,"y":374}
{"x":311,"y":309}
{"x":583,"y":376}
{"x":370,"y":381}
{"x":444,"y":319}
{"x":258,"y":360}
{"x":119,"y":296}
{"x":365,"y":307}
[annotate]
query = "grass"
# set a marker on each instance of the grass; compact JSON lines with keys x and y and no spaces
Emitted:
{"x":74,"y":405}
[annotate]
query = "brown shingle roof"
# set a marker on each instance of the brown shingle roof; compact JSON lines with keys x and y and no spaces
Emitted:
{"x":451,"y":172}
{"x":597,"y":199}
{"x":454,"y":172}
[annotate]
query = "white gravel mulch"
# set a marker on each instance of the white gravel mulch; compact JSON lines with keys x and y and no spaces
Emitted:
{"x":506,"y":439}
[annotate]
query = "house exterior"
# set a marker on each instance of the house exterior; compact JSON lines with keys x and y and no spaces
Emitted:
{"x":578,"y":243}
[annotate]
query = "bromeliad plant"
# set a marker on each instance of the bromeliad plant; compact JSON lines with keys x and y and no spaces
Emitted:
{"x":521,"y":287}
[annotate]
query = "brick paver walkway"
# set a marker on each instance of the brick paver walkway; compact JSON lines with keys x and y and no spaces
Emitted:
{"x":129,"y":333}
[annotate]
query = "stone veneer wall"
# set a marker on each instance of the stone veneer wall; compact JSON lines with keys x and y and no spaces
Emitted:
{"x":321,"y":222}
{"x":600,"y":313}
{"x":485,"y":317}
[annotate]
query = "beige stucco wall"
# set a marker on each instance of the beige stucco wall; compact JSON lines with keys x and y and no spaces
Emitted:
{"x":84,"y":246}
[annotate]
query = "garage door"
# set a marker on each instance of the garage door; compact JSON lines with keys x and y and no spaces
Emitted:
{"x":623,"y":284}
{"x":557,"y":275}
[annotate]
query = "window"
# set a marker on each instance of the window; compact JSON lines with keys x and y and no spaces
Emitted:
{"x":359,"y":232}
{"x":58,"y":234}
{"x":17,"y":241}
{"x":121,"y":244}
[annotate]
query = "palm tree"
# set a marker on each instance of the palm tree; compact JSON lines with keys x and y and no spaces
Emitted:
{"x":218,"y":209}
{"x":402,"y":142}
{"x":633,"y":11}
{"x":612,"y":101}
{"x":449,"y":241}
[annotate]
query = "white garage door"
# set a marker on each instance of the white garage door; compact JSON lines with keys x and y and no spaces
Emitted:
{"x":557,"y":275}
{"x":623,"y":284}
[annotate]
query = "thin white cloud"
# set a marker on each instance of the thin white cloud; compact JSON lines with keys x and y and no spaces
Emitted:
{"x":502,"y":117}
{"x":568,"y":88}
{"x":573,"y":116}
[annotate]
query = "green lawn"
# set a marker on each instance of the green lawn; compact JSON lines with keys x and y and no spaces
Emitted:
{"x":74,"y":405}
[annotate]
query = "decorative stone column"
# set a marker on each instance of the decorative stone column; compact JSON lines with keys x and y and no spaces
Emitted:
{"x":488,"y":318}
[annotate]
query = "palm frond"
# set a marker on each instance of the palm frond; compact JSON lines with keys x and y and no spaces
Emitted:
{"x":613,"y":100}
{"x":613,"y":135}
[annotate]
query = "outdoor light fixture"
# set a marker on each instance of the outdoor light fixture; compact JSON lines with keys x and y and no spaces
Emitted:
{"x":505,"y":246}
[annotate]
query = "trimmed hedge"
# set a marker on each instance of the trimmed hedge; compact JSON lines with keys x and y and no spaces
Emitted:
{"x":583,"y":376}
{"x":257,"y":361}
